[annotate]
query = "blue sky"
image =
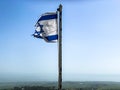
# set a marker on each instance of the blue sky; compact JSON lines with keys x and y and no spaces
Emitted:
{"x":91,"y":41}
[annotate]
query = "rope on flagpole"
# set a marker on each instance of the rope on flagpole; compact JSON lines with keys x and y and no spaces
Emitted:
{"x":60,"y":49}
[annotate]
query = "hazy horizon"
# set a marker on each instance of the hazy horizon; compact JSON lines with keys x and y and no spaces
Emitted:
{"x":42,"y":78}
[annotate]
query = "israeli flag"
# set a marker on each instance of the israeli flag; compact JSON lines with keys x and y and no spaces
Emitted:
{"x":46,"y":27}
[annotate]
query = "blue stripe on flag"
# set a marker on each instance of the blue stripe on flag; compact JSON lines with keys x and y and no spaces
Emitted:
{"x":37,"y":36}
{"x":47,"y":17}
{"x":53,"y":37}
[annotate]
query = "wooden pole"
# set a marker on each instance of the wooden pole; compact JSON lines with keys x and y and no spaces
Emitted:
{"x":60,"y":49}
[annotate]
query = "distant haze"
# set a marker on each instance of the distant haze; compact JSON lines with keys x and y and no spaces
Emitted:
{"x":86,"y":77}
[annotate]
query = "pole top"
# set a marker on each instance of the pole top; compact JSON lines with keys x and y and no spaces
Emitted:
{"x":60,"y":8}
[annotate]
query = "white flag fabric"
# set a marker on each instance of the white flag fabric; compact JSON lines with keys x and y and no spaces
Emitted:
{"x":46,"y":27}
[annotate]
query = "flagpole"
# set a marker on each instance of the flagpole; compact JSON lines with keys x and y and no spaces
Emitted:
{"x":60,"y":49}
